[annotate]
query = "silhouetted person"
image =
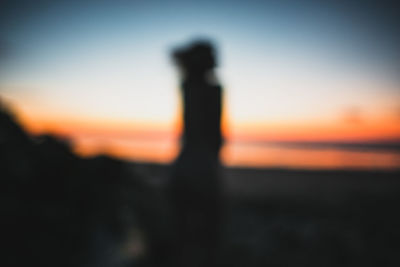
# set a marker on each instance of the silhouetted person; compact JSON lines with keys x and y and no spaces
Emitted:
{"x":195,"y":184}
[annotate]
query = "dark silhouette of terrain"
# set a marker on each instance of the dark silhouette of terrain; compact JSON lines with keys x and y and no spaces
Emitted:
{"x":58,"y":209}
{"x":278,"y":217}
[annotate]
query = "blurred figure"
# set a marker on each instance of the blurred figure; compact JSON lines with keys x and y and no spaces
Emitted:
{"x":195,"y":183}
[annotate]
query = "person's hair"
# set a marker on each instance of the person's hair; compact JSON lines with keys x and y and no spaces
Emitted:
{"x":197,"y":56}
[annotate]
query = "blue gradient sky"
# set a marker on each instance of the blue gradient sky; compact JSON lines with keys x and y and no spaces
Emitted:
{"x":286,"y":62}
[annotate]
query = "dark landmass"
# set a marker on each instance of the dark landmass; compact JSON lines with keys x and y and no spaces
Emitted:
{"x":373,"y":146}
{"x":278,"y":217}
{"x":62,"y":210}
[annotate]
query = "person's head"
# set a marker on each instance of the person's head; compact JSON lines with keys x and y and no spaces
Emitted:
{"x":196,"y":58}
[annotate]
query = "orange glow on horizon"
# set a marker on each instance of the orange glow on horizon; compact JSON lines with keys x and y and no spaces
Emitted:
{"x":335,"y":131}
{"x":384,"y":128}
{"x":158,"y":142}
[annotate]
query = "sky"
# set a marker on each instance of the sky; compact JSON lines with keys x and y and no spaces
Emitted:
{"x":291,"y":70}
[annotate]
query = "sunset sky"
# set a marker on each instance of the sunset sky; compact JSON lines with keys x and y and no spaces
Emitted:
{"x":293,"y":71}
